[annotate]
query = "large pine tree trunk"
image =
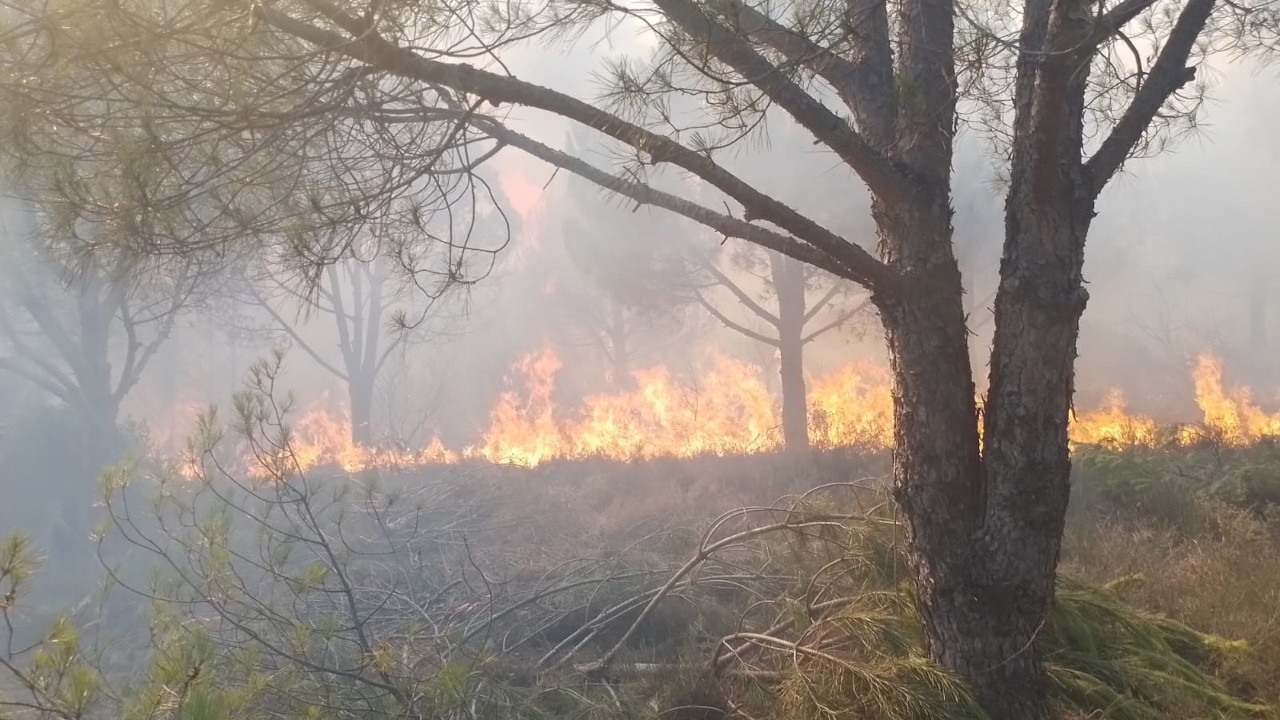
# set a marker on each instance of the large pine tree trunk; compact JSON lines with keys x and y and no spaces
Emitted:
{"x":789,"y":282}
{"x":985,"y":526}
{"x":1026,"y":452}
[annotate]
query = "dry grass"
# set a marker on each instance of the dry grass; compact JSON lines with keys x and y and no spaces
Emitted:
{"x":565,"y":506}
{"x":1225,"y":582}
{"x":1182,"y":553}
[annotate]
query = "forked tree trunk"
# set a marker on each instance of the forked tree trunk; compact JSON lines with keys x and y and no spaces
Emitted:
{"x":985,"y":527}
{"x":789,"y":282}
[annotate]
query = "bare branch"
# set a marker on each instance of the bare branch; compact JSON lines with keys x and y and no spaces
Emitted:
{"x":839,"y":320}
{"x":741,"y":295}
{"x":856,"y":263}
{"x":648,"y":195}
{"x":736,"y":327}
{"x":288,"y":328}
{"x":1167,"y":76}
{"x":865,"y":83}
{"x":885,"y":181}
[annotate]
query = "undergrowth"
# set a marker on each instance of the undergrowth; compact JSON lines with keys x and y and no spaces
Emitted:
{"x":1195,"y":530}
{"x":860,"y":654}
{"x":606,"y":592}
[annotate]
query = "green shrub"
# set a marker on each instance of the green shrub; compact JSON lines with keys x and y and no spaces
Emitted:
{"x":1135,"y":485}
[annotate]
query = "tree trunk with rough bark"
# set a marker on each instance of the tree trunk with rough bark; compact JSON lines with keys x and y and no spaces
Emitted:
{"x":984,"y":528}
{"x":975,"y":616}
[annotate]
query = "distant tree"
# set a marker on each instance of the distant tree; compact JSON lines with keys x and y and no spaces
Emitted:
{"x":79,"y":331}
{"x":621,"y":292}
{"x":377,"y":291}
{"x":797,"y":302}
{"x":356,"y":298}
{"x":788,"y":303}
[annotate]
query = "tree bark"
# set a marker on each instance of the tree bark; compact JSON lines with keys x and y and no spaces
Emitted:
{"x":789,"y":283}
{"x":939,"y":477}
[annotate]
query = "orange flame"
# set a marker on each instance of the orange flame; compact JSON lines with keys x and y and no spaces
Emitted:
{"x":318,"y":438}
{"x":851,"y":406}
{"x":729,"y":410}
{"x":1113,"y":425}
{"x":1230,"y":415}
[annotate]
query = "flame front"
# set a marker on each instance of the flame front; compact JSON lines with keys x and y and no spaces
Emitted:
{"x":1113,"y":425}
{"x":1230,"y":415}
{"x":729,"y":410}
{"x":319,"y":438}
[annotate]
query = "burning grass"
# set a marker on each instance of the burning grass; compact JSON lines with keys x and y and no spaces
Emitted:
{"x":727,"y":410}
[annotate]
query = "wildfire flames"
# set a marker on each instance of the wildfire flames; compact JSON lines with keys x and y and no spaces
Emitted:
{"x":1229,"y":416}
{"x":729,"y":410}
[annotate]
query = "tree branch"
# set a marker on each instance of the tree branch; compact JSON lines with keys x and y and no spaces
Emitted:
{"x":743,"y":298}
{"x":1168,"y":75}
{"x":43,"y":381}
{"x":54,"y":381}
{"x":131,"y":374}
{"x":837,"y":322}
{"x":864,"y":85}
{"x":131,"y":351}
{"x":715,"y":312}
{"x":288,"y":328}
{"x":856,"y":263}
{"x":645,"y":194}
{"x":1119,"y":16}
{"x":52,"y":329}
{"x":817,"y":306}
{"x":396,"y":342}
{"x":885,"y":181}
